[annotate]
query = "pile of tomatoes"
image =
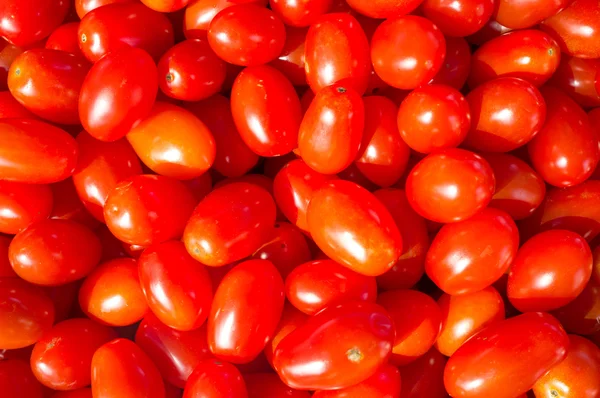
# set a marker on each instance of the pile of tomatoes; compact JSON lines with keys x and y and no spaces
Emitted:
{"x":299,"y":198}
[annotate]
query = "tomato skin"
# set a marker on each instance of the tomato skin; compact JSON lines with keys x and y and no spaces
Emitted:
{"x":489,"y":31}
{"x":173,"y":142}
{"x":213,"y":378}
{"x":112,"y":294}
{"x":65,"y":38}
{"x":54,"y":252}
{"x":120,"y":369}
{"x":200,"y":13}
{"x":68,"y":206}
{"x":425,"y":376}
{"x":10,"y":108}
{"x":502,"y":350}
{"x":507,"y":113}
{"x":525,"y":14}
{"x":256,"y":93}
{"x":576,"y":376}
{"x":506,"y":55}
{"x":17,"y":380}
{"x":212,"y":233}
{"x":434,"y":117}
{"x":385,"y":382}
{"x":165,"y":5}
{"x":576,"y":77}
{"x":331,"y":130}
{"x":465,"y":315}
{"x":106,"y":108}
{"x":177,"y":287}
{"x":349,"y":342}
{"x":384,"y":9}
{"x":470,"y":255}
{"x":398,"y":42}
{"x":300,"y":14}
{"x":291,"y":60}
{"x":450,"y":185}
{"x":6,"y":270}
{"x":519,"y":189}
{"x":82,"y":7}
{"x":291,"y":319}
{"x":26,"y":313}
{"x":121,"y":25}
{"x":457,"y":64}
{"x":458,"y":19}
{"x":47,"y":82}
{"x":580,"y":315}
{"x":342,"y":211}
{"x":246,"y":34}
{"x":22,"y":205}
{"x":344,"y":61}
{"x":175,"y":353}
{"x":251,"y":296}
{"x":25,"y":23}
{"x":62,"y":358}
{"x":565,"y":152}
{"x":146,"y":209}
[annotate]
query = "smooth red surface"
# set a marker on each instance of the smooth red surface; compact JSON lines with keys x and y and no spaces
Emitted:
{"x":22,"y":205}
{"x":527,"y":13}
{"x":17,"y":380}
{"x":386,"y":382}
{"x":458,"y":18}
{"x":25,"y":23}
{"x":425,"y":376}
{"x":213,"y":378}
{"x":577,"y":77}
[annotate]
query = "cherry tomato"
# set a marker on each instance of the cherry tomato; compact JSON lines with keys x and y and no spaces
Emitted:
{"x":26,"y":313}
{"x":581,"y":315}
{"x":106,"y":107}
{"x":8,"y":53}
{"x":147,"y":209}
{"x":121,"y":25}
{"x":166,"y":5}
{"x":407,"y":51}
{"x":519,"y":189}
{"x":576,"y":77}
{"x":47,"y":82}
{"x":470,"y":255}
{"x":434,"y":117}
{"x":230,"y":224}
{"x":112,"y":294}
{"x":527,"y":54}
{"x":65,"y":38}
{"x":566,"y":151}
{"x":245,"y":311}
{"x":173,"y":142}
{"x":303,"y":13}
{"x":385,"y":8}
{"x":340,"y":346}
{"x":246,"y":34}
{"x":507,"y":113}
{"x":384,"y":383}
{"x":10,"y":108}
{"x":82,"y":7}
{"x":291,"y":319}
{"x":54,"y":252}
{"x":291,"y":60}
{"x":353,"y":228}
{"x":25,"y":23}
{"x":200,"y":13}
{"x":213,"y":378}
{"x":576,"y":376}
{"x":424,"y":378}
{"x":332,"y":129}
{"x":17,"y":380}
{"x":177,"y":287}
{"x":266,"y":110}
{"x":457,"y":64}
{"x":458,"y":19}
{"x":5,"y":267}
{"x":344,"y":60}
{"x":121,"y":369}
{"x":502,"y":361}
{"x":62,"y":358}
{"x":22,"y":205}
{"x":175,"y":353}
{"x":450,"y":185}
{"x":525,"y":14}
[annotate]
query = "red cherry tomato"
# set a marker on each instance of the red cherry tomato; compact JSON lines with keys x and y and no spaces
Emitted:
{"x":26,"y":313}
{"x":291,"y":60}
{"x":121,"y":369}
{"x":106,"y":107}
{"x":166,"y":5}
{"x":82,"y":7}
{"x":22,"y":205}
{"x":502,"y":361}
{"x":62,"y":358}
{"x":525,"y":13}
{"x":10,"y":108}
{"x":384,"y":8}
{"x":575,"y":28}
{"x":434,"y":117}
{"x":200,"y":13}
{"x":566,"y":151}
{"x":147,"y":209}
{"x":303,"y":13}
{"x":16,"y":380}
{"x":407,"y":51}
{"x":470,"y":255}
{"x":384,"y":383}
{"x":581,"y":315}
{"x":173,"y":142}
{"x":344,"y":61}
{"x":47,"y":82}
{"x":177,"y":287}
{"x":340,"y":346}
{"x":121,"y":25}
{"x":245,"y":311}
{"x":266,"y":110}
{"x":213,"y":378}
{"x":577,"y":77}
{"x":291,"y":319}
{"x":268,"y":385}
{"x":175,"y":353}
{"x":332,"y":129}
{"x":230,"y":224}
{"x":112,"y":294}
{"x":353,"y":228}
{"x":425,"y":376}
{"x":450,"y":185}
{"x":457,"y":64}
{"x":527,"y":54}
{"x":54,"y":252}
{"x":458,"y":19}
{"x":25,"y":23}
{"x":246,"y":34}
{"x":65,"y":38}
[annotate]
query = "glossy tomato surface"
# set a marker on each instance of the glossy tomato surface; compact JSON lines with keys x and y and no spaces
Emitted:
{"x":213,"y":378}
{"x":25,"y":23}
{"x":22,"y":205}
{"x":385,"y":382}
{"x":525,"y":14}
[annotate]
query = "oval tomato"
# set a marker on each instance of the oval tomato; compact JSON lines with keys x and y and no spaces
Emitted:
{"x":215,"y":379}
{"x":22,"y":205}
{"x":82,"y":7}
{"x":25,"y":23}
{"x":166,"y":5}
{"x":577,"y":78}
{"x":384,"y":9}
{"x":457,"y":64}
{"x":303,"y":13}
{"x":65,"y":38}
{"x":525,"y":14}
{"x":200,"y":13}
{"x":291,"y":319}
{"x":10,"y":108}
{"x":458,"y":18}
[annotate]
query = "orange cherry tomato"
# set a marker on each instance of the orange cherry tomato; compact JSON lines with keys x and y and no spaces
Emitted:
{"x":166,"y":5}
